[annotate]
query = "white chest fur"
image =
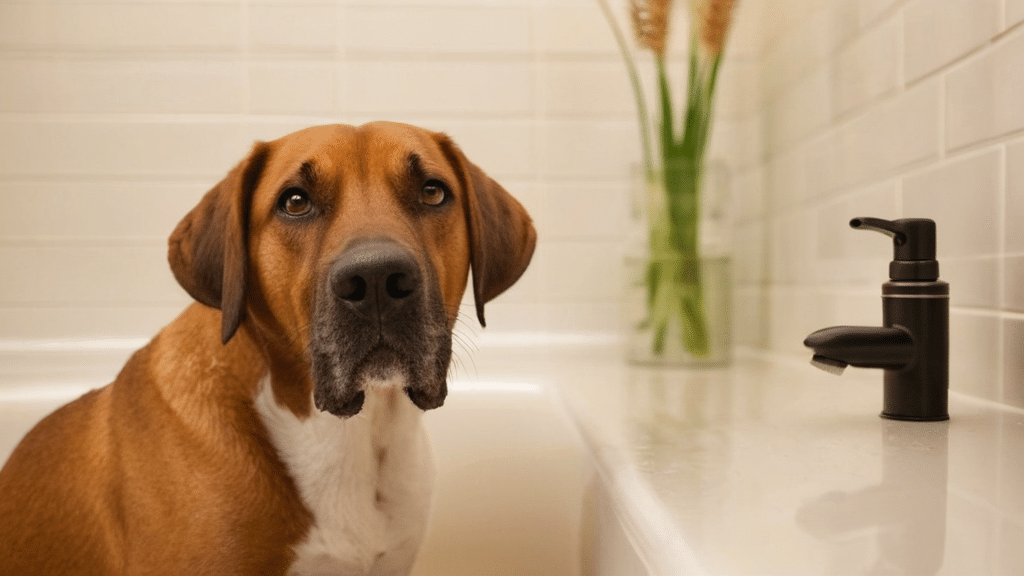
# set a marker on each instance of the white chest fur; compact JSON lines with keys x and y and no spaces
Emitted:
{"x":366,"y":479}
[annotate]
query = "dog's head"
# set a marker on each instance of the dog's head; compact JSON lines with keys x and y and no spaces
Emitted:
{"x":345,"y":252}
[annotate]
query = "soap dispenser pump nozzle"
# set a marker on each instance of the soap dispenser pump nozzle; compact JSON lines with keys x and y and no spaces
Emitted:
{"x":913,"y":242}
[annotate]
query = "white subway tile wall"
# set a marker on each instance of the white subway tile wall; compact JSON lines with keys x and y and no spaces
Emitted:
{"x":1014,"y":13}
{"x":912,"y":108}
{"x":938,"y":33}
{"x":115,"y":117}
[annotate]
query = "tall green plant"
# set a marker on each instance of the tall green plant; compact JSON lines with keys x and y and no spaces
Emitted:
{"x":673,"y":272}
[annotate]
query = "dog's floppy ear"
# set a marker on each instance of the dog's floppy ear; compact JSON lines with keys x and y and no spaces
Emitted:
{"x":501,"y":233}
{"x":208,"y":249}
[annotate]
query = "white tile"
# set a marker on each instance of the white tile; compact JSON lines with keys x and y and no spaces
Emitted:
{"x":749,"y":186}
{"x":584,"y":210}
{"x":974,"y":282}
{"x":755,"y":25}
{"x":750,"y":255}
{"x":581,"y":316}
{"x":139,"y":26}
{"x":295,"y":27}
{"x":1014,"y":197}
{"x":143,"y":86}
{"x":284,"y":2}
{"x":866,"y":69}
{"x":579,"y":149}
{"x":901,"y":132}
{"x":854,"y":308}
{"x":983,"y":96}
{"x":738,"y":93}
{"x":824,"y":163}
{"x":962,"y":197}
{"x":95,"y":210}
{"x":23,"y":25}
{"x":774,"y":21}
{"x":120,"y":148}
{"x":872,"y":10}
{"x":739,"y":143}
{"x":1010,"y":530}
{"x":453,"y":3}
{"x":799,"y":110}
{"x":749,"y":318}
{"x":585,"y":89}
{"x":574,"y":30}
{"x":73,"y":321}
{"x":437,"y":30}
{"x":937,"y":33}
{"x":292,"y":87}
{"x":1013,"y":362}
{"x":1014,"y":12}
{"x":802,"y":48}
{"x":973,"y":344}
{"x":839,"y":23}
{"x":463,"y":88}
{"x":791,"y":248}
{"x":1014,"y":283}
{"x":576,"y":272}
{"x":785,"y":181}
{"x":87,"y":275}
{"x":793,"y":313}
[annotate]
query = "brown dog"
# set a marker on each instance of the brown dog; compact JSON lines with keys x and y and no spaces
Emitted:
{"x":274,"y":427}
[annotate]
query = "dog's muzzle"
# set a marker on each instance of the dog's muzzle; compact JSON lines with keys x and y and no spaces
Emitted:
{"x":378,"y":319}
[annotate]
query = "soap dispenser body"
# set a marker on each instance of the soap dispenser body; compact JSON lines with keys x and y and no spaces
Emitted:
{"x":920,"y":390}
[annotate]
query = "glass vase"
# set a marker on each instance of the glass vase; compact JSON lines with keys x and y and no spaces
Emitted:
{"x":678,"y":293}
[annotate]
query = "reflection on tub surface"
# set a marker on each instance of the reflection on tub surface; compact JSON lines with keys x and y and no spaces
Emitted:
{"x":906,"y":512}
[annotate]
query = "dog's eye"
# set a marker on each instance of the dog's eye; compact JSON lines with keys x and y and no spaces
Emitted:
{"x":295,"y":202}
{"x":434,"y":193}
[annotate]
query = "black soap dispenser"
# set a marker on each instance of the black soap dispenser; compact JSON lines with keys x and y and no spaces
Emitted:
{"x":912,"y":345}
{"x":916,"y":300}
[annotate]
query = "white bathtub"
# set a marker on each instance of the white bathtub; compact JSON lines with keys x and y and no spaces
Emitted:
{"x":518,"y":491}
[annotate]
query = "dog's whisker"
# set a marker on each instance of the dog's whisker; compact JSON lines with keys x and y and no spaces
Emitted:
{"x":463,"y":342}
{"x":469,"y":324}
{"x":458,"y":367}
{"x":469,"y":347}
{"x":468,"y":343}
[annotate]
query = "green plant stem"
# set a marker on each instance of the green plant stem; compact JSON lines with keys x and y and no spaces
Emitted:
{"x":638,"y":91}
{"x":674,"y":273}
{"x":675,"y":289}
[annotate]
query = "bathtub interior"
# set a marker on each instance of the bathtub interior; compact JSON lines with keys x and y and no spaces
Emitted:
{"x":516,"y":491}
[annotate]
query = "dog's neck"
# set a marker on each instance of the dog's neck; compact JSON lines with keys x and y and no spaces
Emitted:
{"x":388,"y":418}
{"x":352,"y":472}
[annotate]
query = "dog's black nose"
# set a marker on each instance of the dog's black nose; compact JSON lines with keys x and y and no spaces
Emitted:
{"x":375,"y":278}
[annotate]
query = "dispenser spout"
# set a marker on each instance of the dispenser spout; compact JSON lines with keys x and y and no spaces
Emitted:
{"x":862,"y":346}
